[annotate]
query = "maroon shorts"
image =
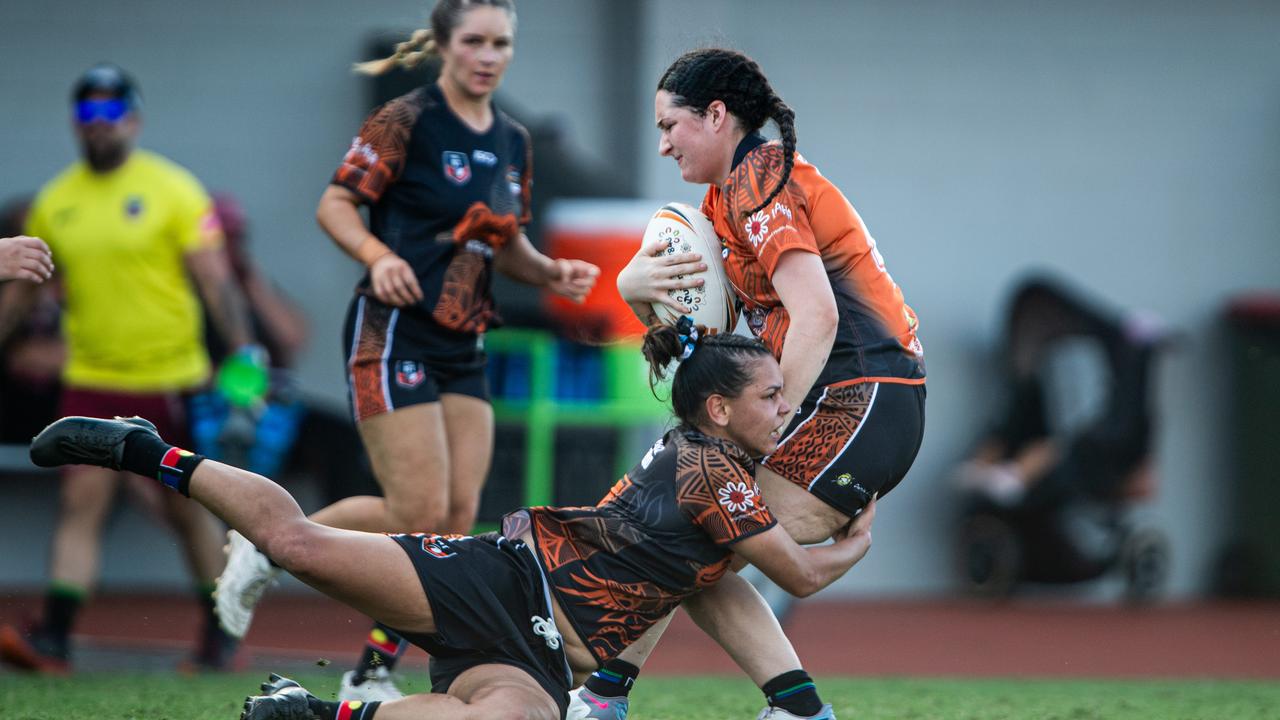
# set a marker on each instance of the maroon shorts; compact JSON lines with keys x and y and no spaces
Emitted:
{"x":168,"y":411}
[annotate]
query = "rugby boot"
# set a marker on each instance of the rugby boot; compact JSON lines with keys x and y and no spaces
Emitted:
{"x":86,"y":441}
{"x":777,"y":713}
{"x":32,"y":651}
{"x":282,"y":699}
{"x":241,"y":585}
{"x":586,"y":705}
{"x":378,"y":687}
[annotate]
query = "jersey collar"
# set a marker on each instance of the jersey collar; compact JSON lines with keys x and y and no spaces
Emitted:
{"x":747,"y":144}
{"x":734,"y":452}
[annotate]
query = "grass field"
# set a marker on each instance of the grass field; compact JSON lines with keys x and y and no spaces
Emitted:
{"x":167,"y":697}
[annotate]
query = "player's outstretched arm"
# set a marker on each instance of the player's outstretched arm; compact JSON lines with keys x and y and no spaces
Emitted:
{"x":520,"y":260}
{"x":803,"y":571}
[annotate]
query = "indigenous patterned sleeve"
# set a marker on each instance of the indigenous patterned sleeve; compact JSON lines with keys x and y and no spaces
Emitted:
{"x":719,"y":495}
{"x":781,"y":226}
{"x":377,"y":155}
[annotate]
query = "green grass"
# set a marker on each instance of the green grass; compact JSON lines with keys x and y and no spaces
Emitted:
{"x":167,"y":697}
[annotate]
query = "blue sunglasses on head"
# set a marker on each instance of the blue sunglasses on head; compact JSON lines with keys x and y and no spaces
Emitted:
{"x":109,"y":110}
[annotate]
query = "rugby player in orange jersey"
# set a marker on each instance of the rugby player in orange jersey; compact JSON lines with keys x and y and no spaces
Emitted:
{"x":814,"y":289}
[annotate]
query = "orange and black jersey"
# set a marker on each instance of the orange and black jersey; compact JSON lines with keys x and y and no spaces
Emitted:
{"x":662,"y":533}
{"x":876,"y":336}
{"x":442,"y":196}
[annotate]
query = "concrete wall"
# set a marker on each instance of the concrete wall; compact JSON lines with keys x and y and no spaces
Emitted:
{"x":1132,"y":147}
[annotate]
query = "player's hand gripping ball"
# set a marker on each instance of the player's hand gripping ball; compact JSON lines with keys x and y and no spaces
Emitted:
{"x":681,"y":229}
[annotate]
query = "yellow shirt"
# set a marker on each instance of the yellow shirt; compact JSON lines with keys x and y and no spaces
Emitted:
{"x":132,"y":319}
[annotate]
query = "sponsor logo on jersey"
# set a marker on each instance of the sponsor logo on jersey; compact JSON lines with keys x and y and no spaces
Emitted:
{"x":844,"y":479}
{"x":361,"y":154}
{"x":478,"y":247}
{"x":657,"y":448}
{"x":409,"y":374}
{"x":457,"y":167}
{"x":513,"y":179}
{"x":484,"y":157}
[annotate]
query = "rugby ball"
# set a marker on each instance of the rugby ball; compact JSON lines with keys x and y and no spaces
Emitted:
{"x":683,"y":228}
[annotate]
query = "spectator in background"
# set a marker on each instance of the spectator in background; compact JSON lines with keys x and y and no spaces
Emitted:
{"x":137,"y":247}
{"x":289,"y":433}
{"x":259,"y":437}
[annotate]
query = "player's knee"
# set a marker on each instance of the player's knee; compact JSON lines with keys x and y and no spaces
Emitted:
{"x":417,"y":516}
{"x":462,"y":517}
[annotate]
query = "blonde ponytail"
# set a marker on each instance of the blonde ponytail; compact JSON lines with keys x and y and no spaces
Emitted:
{"x":408,"y":55}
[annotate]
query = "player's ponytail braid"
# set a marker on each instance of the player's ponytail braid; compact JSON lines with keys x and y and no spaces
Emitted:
{"x":699,"y":77}
{"x":425,"y":43}
{"x":717,"y":365}
{"x":785,"y":117}
{"x":408,"y":54}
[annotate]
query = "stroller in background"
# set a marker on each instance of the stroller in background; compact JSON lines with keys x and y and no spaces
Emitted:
{"x":1048,"y":493}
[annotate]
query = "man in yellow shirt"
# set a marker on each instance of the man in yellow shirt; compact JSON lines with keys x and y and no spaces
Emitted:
{"x":137,"y":247}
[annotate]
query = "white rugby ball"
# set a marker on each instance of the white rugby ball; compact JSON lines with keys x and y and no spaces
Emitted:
{"x":683,"y":228}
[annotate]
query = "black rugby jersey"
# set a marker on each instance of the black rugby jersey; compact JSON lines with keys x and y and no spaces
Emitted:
{"x":661,"y":534}
{"x":442,"y":196}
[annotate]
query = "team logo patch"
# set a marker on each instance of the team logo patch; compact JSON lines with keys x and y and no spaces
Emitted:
{"x":737,"y":497}
{"x":484,"y":157}
{"x":437,"y":547}
{"x":133,"y":207}
{"x":457,"y":167}
{"x":409,"y":374}
{"x":844,"y":479}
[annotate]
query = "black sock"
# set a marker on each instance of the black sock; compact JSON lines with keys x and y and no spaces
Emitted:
{"x":794,"y":692}
{"x":382,"y":648}
{"x":355,"y":710}
{"x":61,"y":605}
{"x":614,"y":679}
{"x":149,"y":456}
{"x":216,"y":647}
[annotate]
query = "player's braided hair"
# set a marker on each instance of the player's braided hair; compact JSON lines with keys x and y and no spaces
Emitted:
{"x":699,"y":77}
{"x":425,"y":43}
{"x":718,"y":365}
